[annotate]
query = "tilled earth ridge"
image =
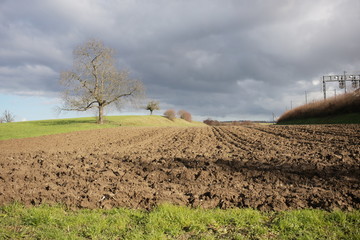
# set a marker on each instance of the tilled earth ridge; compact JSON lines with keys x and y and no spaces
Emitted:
{"x":262,"y":167}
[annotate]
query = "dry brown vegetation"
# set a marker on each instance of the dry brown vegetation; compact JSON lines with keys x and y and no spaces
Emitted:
{"x":345,"y":103}
{"x":170,"y":114}
{"x":185,"y":115}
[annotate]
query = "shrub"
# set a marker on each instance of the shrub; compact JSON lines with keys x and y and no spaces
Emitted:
{"x":185,"y":115}
{"x":170,"y":114}
{"x":211,"y":122}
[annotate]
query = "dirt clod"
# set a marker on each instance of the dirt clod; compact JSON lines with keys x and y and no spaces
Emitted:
{"x":263,"y":167}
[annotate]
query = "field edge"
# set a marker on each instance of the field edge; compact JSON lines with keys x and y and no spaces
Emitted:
{"x":18,"y":130}
{"x":351,"y":118}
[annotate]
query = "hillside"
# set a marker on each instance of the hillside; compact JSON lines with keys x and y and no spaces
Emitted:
{"x":343,"y":109}
{"x":49,"y":127}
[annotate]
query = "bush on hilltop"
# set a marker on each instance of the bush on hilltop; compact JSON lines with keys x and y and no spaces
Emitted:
{"x":170,"y":114}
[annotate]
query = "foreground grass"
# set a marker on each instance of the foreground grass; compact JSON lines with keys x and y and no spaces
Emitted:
{"x":351,"y":118}
{"x":174,"y":222}
{"x":49,"y":127}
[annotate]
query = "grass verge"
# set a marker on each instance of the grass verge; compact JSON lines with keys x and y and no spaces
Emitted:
{"x":351,"y":118}
{"x":49,"y":127}
{"x":174,"y":222}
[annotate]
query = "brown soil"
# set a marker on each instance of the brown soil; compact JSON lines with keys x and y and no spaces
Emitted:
{"x":262,"y":167}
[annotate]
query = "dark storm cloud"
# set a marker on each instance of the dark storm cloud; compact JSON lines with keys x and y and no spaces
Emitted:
{"x":230,"y":59}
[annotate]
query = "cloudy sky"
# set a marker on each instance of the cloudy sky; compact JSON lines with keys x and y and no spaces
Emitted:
{"x":219,"y":59}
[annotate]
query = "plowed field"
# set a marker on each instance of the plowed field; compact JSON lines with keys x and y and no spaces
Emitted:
{"x":263,"y":167}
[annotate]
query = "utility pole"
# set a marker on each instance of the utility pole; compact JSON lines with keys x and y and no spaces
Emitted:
{"x":305,"y":97}
{"x":273,"y":115}
{"x":345,"y":80}
{"x":324,"y":87}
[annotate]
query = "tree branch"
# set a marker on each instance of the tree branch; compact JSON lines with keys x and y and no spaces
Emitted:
{"x":93,"y":72}
{"x":81,"y":108}
{"x":85,"y":85}
{"x":120,"y":96}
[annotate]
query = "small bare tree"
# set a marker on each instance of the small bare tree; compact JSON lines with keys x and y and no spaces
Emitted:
{"x":170,"y":114}
{"x":7,"y":117}
{"x":152,"y":106}
{"x":95,"y":82}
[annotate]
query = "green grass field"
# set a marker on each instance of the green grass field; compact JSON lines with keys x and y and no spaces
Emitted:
{"x":48,"y":127}
{"x":174,"y":222}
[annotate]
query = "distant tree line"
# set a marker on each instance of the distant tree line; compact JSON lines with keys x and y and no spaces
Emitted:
{"x":211,"y":122}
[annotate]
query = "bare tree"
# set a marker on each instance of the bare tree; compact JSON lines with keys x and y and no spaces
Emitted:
{"x":7,"y":117}
{"x":152,"y":105}
{"x":95,"y":82}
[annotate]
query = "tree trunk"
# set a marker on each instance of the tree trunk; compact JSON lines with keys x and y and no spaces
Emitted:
{"x":101,"y":115}
{"x":151,"y":112}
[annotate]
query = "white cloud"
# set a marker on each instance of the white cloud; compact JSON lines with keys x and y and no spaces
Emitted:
{"x":201,"y":59}
{"x":27,"y":70}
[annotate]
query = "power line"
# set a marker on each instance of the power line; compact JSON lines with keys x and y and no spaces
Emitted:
{"x":341,"y":79}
